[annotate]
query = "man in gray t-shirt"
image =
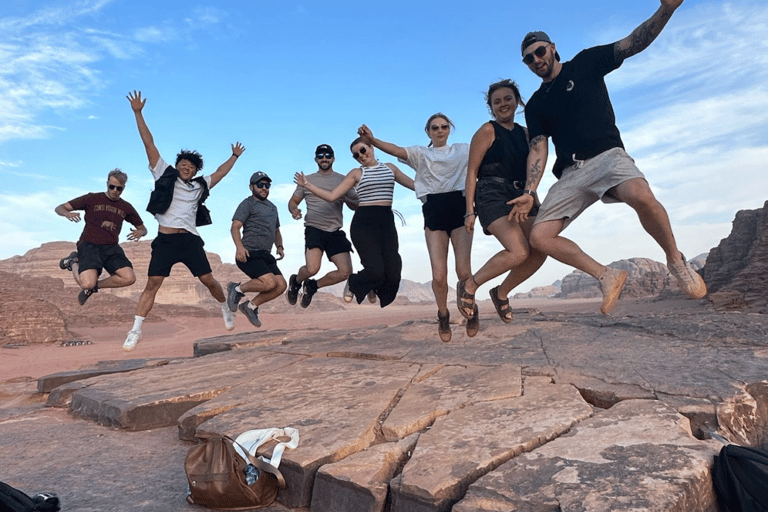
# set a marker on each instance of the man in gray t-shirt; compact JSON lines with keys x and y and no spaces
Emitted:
{"x":322,"y":230}
{"x":257,"y":218}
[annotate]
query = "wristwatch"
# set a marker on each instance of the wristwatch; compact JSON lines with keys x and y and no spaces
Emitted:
{"x":530,"y":192}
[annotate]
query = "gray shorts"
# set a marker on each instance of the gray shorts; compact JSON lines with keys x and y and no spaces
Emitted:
{"x":586,"y":182}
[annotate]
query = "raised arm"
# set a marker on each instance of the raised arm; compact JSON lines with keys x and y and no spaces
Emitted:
{"x":349,"y":181}
{"x":137,"y":104}
{"x":644,"y":35}
{"x":401,"y":177}
{"x":223,"y":170}
{"x":387,"y":147}
{"x":66,"y":210}
{"x":537,"y":159}
{"x":481,"y":141}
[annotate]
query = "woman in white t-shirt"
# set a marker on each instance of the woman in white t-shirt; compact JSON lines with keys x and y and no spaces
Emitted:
{"x":441,"y":171}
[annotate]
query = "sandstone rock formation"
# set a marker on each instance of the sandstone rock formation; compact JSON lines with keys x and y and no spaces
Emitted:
{"x":646,"y":278}
{"x":736,"y":271}
{"x":25,"y":314}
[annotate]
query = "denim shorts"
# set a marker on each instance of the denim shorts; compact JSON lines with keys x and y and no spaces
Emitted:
{"x":491,"y":197}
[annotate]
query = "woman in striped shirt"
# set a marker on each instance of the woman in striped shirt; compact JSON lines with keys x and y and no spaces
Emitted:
{"x":373,"y":226}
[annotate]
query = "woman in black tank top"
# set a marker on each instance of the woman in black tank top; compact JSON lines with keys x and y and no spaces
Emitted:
{"x":496,"y":175}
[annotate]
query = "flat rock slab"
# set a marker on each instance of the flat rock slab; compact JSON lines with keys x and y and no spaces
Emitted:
{"x":360,"y":482}
{"x":147,"y":399}
{"x":639,"y":456}
{"x":48,"y":383}
{"x":471,"y":441}
{"x":340,"y":416}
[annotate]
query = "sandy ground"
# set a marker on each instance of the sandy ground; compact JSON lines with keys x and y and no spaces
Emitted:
{"x":175,"y":337}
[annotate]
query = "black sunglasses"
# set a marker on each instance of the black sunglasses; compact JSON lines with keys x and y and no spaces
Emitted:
{"x":435,"y":127}
{"x":113,"y":187}
{"x":540,"y":52}
{"x":356,"y":155}
{"x":263,"y":184}
{"x":324,"y":156}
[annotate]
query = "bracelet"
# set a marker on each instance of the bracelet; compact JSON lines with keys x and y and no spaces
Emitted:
{"x":236,"y":156}
{"x":530,"y":192}
{"x":470,"y":214}
{"x":280,"y":247}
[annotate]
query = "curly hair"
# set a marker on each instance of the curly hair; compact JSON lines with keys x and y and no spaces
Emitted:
{"x":501,"y":84}
{"x":193,"y":156}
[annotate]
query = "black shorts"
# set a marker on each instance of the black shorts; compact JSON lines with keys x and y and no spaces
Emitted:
{"x":330,"y":242}
{"x":258,"y":264}
{"x":186,"y":248}
{"x":491,"y":200}
{"x":99,"y":256}
{"x":444,"y":212}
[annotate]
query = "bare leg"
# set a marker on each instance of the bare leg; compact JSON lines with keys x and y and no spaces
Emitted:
{"x":526,"y":269}
{"x":122,"y":277}
{"x":269,"y":286}
{"x":545,"y":237}
{"x":515,"y":252}
{"x":147,"y":299}
{"x":343,"y":262}
{"x":313,"y":258}
{"x":213,"y":286}
{"x":437,"y":247}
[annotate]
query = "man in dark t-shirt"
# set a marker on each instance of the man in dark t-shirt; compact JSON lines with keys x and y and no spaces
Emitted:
{"x":573,"y":107}
{"x":98,"y":247}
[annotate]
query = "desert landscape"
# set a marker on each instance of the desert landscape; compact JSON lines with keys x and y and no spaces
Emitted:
{"x":561,"y":407}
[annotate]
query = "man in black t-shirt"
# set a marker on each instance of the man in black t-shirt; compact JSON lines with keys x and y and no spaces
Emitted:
{"x":573,"y":107}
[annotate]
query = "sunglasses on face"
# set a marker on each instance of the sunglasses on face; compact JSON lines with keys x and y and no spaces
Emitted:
{"x":539,"y":52}
{"x":356,"y":155}
{"x":113,"y":187}
{"x":263,"y":184}
{"x":435,"y":127}
{"x":324,"y":156}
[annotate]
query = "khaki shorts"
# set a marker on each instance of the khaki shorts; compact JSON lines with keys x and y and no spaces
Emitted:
{"x":586,"y":182}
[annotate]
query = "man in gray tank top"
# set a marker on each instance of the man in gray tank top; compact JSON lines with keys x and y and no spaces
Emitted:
{"x":322,"y":230}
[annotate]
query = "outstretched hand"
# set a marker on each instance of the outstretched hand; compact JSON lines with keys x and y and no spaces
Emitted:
{"x":237,"y":149}
{"x":365,"y":133}
{"x":135,"y":235}
{"x":521,"y":207}
{"x":136,"y":102}
{"x":300,"y":179}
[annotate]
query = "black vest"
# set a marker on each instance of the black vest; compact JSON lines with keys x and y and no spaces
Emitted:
{"x":161,"y":197}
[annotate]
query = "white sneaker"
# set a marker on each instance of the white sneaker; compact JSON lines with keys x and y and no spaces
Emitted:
{"x":229,"y":317}
{"x":132,"y":340}
{"x":689,"y":280}
{"x":612,"y":281}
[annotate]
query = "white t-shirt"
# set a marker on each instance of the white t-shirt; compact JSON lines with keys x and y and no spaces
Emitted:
{"x":438,"y":170}
{"x":183,"y":210}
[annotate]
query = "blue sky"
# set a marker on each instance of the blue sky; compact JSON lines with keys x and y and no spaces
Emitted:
{"x":283,"y":77}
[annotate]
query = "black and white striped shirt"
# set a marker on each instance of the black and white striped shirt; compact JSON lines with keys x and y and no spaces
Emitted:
{"x":377,"y":184}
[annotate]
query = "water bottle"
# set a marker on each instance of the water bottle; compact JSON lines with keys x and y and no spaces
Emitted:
{"x":251,"y":474}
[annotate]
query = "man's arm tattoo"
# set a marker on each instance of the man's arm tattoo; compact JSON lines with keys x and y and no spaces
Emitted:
{"x":534,"y":174}
{"x":642,"y":36}
{"x":535,"y":141}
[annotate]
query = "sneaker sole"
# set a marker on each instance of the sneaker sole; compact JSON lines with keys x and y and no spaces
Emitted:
{"x":612,"y":297}
{"x":230,"y":292}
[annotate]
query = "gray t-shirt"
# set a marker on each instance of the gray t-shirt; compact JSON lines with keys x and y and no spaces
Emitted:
{"x":260,"y":221}
{"x":320,"y":213}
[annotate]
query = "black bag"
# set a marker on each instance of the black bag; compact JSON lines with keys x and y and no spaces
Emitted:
{"x":13,"y":500}
{"x":217,"y":477}
{"x":740,"y":475}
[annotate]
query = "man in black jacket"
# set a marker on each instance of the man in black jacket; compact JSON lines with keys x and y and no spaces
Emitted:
{"x":177,"y":205}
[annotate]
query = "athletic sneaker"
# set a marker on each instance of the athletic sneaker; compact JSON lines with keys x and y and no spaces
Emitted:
{"x":84,"y":294}
{"x":310,"y":288}
{"x":371,"y":297}
{"x":293,"y":290}
{"x":611,"y":281}
{"x":66,"y":263}
{"x":233,"y":296}
{"x":132,"y":340}
{"x":251,"y":314}
{"x":348,"y":295}
{"x":229,"y":317}
{"x":689,"y":280}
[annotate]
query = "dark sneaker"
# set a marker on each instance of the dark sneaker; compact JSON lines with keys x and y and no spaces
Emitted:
{"x":293,"y":290}
{"x":251,"y":314}
{"x":310,"y":288}
{"x":473,"y":323}
{"x":66,"y":263}
{"x":233,"y":296}
{"x":84,"y":294}
{"x":444,"y":326}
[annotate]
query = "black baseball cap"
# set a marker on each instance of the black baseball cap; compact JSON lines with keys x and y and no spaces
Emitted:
{"x":258,"y":176}
{"x":324,"y":148}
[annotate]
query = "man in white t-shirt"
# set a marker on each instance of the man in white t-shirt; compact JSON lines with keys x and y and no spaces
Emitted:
{"x":177,"y":203}
{"x":322,"y":230}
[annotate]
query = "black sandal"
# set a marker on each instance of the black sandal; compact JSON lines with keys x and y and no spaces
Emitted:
{"x":464,"y":301}
{"x":502,"y":306}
